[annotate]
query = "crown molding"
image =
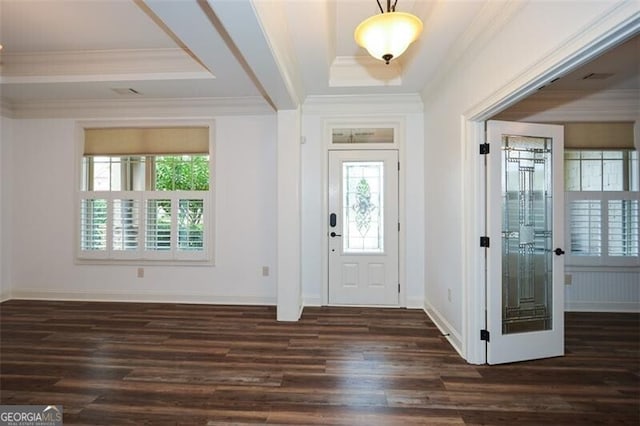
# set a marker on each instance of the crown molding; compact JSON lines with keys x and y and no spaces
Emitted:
{"x":139,"y":108}
{"x":102,"y":62}
{"x":576,"y":105}
{"x":363,"y":104}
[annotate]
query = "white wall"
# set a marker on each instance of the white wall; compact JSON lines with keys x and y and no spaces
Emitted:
{"x":314,"y":216}
{"x":529,"y":39}
{"x":43,"y":203}
{"x":5,"y":216}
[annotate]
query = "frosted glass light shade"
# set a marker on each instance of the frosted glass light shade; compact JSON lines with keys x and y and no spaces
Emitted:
{"x":387,"y":35}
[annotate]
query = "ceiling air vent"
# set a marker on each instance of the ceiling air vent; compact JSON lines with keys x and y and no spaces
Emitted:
{"x":126,"y":91}
{"x":597,"y":76}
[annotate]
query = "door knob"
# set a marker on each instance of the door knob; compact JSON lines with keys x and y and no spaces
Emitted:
{"x":558,"y":251}
{"x":333,"y":234}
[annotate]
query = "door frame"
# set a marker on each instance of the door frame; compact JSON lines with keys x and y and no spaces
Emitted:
{"x":396,"y":122}
{"x":593,"y":41}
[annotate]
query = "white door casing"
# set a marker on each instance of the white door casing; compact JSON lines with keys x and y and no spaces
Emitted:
{"x":363,"y":227}
{"x":525,"y":225}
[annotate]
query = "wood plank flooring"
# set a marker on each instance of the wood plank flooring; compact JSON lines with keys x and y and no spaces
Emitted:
{"x":172,"y":364}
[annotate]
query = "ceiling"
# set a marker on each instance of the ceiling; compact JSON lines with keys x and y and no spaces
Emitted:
{"x":605,"y":89}
{"x":278,"y":51}
{"x":617,"y":69}
{"x":275,"y":52}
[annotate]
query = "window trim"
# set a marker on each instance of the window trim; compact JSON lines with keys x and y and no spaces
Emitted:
{"x":181,"y":258}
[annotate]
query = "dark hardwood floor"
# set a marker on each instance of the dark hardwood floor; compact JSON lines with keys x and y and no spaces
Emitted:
{"x":166,"y":364}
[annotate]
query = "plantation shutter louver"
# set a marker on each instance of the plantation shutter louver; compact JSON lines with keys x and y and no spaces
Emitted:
{"x":585,"y":228}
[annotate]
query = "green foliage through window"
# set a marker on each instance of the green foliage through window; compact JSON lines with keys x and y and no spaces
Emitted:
{"x":182,"y":173}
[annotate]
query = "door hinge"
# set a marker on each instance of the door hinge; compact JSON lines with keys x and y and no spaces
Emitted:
{"x":398,"y":288}
{"x":398,"y":226}
{"x":484,"y":148}
{"x":484,"y":241}
{"x":484,"y":335}
{"x":398,"y":166}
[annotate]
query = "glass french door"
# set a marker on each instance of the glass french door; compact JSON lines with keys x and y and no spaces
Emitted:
{"x":525,"y":262}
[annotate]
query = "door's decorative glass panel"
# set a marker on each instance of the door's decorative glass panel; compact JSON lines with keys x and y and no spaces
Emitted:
{"x":125,"y":224}
{"x":585,"y":219}
{"x":190,"y":225}
{"x":363,"y":206}
{"x":158,"y":225}
{"x":93,"y":224}
{"x":526,"y":234}
{"x":623,"y":227}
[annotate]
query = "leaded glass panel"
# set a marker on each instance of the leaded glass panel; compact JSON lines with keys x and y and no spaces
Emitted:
{"x":363,"y":202}
{"x":526,"y":234}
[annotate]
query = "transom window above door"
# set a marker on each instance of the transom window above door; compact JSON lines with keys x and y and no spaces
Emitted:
{"x":361,"y":134}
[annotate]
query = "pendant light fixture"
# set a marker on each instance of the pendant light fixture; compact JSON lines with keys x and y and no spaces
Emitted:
{"x":387,"y":35}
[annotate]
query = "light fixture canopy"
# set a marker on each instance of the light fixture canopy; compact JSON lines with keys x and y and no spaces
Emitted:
{"x":389,"y":34}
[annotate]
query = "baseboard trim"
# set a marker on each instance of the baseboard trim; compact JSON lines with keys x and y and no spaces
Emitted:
{"x":415,"y":303}
{"x":151,"y":297}
{"x":445,"y":328}
{"x":602,"y":307}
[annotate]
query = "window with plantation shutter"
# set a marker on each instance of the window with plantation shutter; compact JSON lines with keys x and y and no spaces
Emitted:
{"x":158,"y":226}
{"x":93,"y":224}
{"x":145,"y":194}
{"x":126,"y":222}
{"x":585,"y":227}
{"x":602,"y":207}
{"x":623,"y":227}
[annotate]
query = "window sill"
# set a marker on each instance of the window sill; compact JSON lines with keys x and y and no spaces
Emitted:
{"x":600,"y":268}
{"x":143,"y":262}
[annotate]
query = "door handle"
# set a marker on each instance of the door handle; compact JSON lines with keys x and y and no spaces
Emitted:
{"x":332,"y":220}
{"x":333,"y":234}
{"x":558,"y":251}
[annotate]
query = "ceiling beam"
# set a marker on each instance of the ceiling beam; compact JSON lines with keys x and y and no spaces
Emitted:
{"x":259,"y":33}
{"x":200,"y":32}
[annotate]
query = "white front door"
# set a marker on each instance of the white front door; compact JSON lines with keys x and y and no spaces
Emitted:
{"x":525,"y":225}
{"x":363,"y":227}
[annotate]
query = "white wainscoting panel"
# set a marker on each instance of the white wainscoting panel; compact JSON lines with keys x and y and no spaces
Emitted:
{"x":603,"y":291}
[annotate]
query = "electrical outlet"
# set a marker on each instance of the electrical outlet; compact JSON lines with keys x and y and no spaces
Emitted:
{"x":265,"y":271}
{"x":140,"y":272}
